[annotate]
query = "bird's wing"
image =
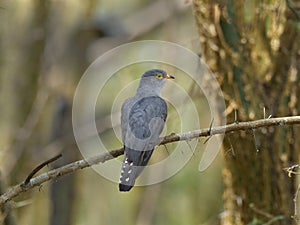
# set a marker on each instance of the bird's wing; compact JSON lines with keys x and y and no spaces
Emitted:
{"x":146,"y":120}
{"x":124,"y":116}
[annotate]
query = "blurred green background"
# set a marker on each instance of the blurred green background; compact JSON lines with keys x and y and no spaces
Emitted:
{"x":45,"y":48}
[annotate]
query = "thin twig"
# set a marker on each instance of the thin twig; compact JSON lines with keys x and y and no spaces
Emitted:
{"x":101,"y":158}
{"x":292,"y":7}
{"x":39,"y":167}
{"x":260,"y":212}
{"x":295,"y":171}
{"x":296,"y":216}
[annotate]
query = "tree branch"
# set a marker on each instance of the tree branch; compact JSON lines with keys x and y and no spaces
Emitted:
{"x":101,"y":158}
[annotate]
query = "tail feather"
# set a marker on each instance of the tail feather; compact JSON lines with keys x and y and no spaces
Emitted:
{"x":128,"y":175}
{"x":133,"y":164}
{"x":124,"y":187}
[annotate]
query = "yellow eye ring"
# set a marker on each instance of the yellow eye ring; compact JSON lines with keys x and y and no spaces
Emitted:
{"x":159,"y":76}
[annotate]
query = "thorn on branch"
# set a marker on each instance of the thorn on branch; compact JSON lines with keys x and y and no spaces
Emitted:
{"x":190,"y":147}
{"x":231,"y":146}
{"x":269,"y":117}
{"x":255,"y":140}
{"x":207,"y":139}
{"x":166,"y":148}
{"x":236,"y":120}
{"x":209,"y":131}
{"x":40,"y":188}
{"x":210,"y":126}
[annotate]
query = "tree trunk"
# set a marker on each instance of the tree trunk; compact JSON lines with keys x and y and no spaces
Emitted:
{"x":253,"y":47}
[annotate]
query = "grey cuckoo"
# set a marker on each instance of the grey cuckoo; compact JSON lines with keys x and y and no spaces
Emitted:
{"x":143,"y":118}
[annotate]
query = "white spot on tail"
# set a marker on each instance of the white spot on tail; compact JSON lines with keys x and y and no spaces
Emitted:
{"x":127,"y":179}
{"x":120,"y":180}
{"x":131,"y":164}
{"x":129,"y":171}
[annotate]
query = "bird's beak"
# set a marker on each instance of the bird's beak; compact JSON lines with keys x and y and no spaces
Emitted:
{"x":168,"y":76}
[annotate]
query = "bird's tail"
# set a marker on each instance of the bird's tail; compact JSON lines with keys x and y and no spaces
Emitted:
{"x":128,"y":175}
{"x":133,"y":164}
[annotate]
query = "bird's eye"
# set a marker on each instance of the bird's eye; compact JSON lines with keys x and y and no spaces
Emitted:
{"x":159,"y":76}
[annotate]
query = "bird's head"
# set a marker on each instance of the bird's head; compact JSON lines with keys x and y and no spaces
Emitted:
{"x":157,"y":74}
{"x":154,"y":79}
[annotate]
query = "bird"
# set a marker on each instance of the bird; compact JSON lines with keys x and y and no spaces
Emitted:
{"x":143,"y":118}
